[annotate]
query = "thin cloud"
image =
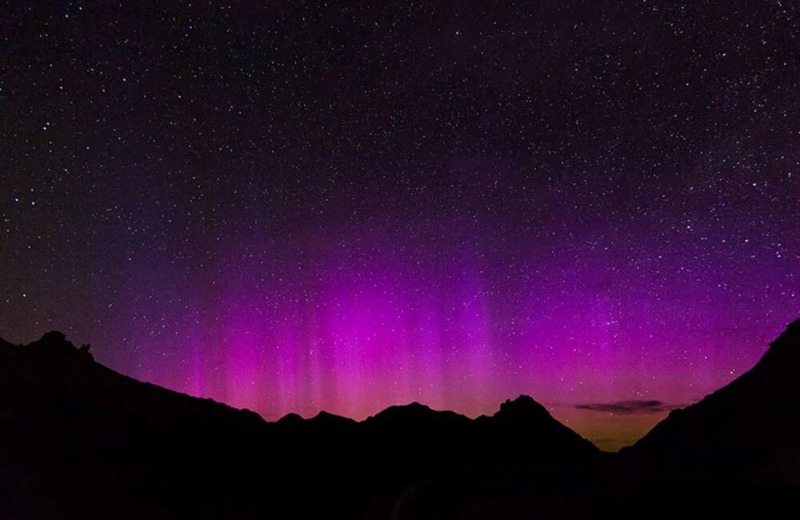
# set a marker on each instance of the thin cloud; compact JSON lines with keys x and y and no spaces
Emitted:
{"x":629,"y":407}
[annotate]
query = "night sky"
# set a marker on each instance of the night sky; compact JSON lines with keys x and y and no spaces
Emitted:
{"x":294,"y":206}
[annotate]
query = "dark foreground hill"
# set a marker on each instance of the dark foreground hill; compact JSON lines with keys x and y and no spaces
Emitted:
{"x":746,"y":433}
{"x":78,"y":440}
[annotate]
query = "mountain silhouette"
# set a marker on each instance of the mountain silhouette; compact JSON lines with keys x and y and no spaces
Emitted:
{"x":79,"y":440}
{"x":747,"y":432}
{"x":522,"y":427}
{"x":735,"y":454}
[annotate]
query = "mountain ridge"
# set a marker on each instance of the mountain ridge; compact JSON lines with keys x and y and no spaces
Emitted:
{"x":83,"y":441}
{"x":69,"y":426}
{"x":53,"y":346}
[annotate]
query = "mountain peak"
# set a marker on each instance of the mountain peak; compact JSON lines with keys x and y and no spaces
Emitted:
{"x":328,"y":419}
{"x":54,"y":337}
{"x":291,"y":418}
{"x":414,"y":405}
{"x":54,"y":346}
{"x":402,"y":411}
{"x":523,"y":405}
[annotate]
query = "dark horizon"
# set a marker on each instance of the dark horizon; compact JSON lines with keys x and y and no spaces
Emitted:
{"x":85,"y":442}
{"x":652,"y":412}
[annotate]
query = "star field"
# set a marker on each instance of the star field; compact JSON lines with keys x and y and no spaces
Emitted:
{"x":305,"y":205}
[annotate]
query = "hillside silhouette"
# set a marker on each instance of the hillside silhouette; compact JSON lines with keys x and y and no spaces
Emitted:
{"x":748,"y":432}
{"x":79,"y":440}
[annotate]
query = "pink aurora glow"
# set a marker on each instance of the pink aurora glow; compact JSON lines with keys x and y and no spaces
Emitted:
{"x":383,"y":325}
